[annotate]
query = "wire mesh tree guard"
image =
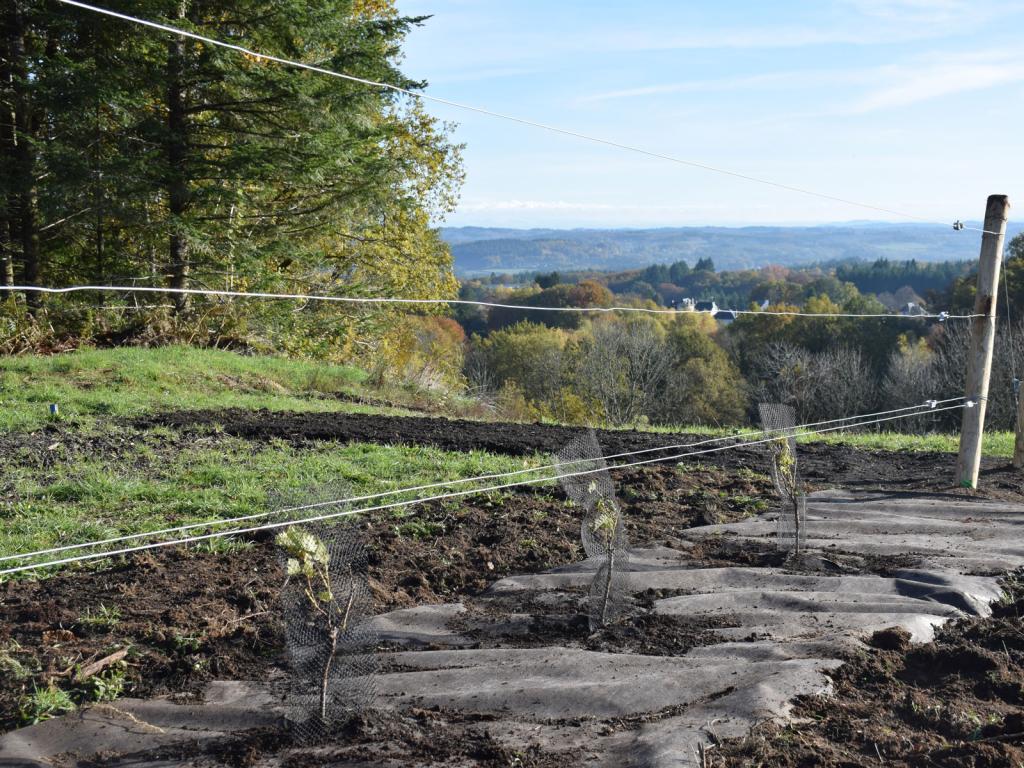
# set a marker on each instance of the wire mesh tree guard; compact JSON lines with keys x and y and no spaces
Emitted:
{"x":779,"y":424}
{"x":602,"y":529}
{"x":326,"y":606}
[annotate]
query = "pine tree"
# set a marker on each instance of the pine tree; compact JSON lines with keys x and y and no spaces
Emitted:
{"x":147,"y":155}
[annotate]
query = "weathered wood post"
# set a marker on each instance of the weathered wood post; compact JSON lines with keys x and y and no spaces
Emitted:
{"x":983,"y":338}
{"x":1018,"y":441}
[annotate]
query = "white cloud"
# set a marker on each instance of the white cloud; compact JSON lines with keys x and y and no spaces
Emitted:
{"x":531,"y":205}
{"x":864,"y":22}
{"x":939,"y":76}
{"x":915,"y":11}
{"x":478,"y":206}
{"x":694,"y":86}
{"x":871,"y":89}
{"x":755,"y":38}
{"x":953,"y":14}
{"x":750,"y":82}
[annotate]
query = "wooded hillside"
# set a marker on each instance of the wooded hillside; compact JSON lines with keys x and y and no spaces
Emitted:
{"x":130,"y":156}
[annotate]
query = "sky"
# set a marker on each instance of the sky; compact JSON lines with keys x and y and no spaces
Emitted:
{"x":911,"y":105}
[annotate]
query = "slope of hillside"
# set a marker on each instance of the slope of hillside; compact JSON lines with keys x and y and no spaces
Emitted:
{"x":481,"y":249}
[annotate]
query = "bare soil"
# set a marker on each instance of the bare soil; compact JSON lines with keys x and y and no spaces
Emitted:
{"x":414,"y":737}
{"x":956,"y":702}
{"x":189,"y":616}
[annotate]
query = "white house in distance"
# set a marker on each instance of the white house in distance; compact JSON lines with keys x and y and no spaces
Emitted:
{"x":708,"y":307}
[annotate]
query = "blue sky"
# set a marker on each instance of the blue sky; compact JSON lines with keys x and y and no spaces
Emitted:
{"x":915,"y":105}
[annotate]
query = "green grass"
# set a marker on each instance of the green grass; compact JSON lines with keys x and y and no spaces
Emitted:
{"x":156,"y":478}
{"x":88,"y":385}
{"x":101,"y":617}
{"x":10,"y":667}
{"x":44,"y":704}
{"x":999,"y":444}
{"x":149,"y":486}
{"x":95,"y":383}
{"x":995,"y":443}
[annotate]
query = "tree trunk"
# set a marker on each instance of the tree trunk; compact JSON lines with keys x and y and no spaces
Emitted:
{"x":29,"y":233}
{"x":606,"y":598}
{"x":23,"y":159}
{"x":98,"y":245}
{"x":6,"y":254}
{"x":6,"y":155}
{"x":177,"y":160}
{"x":97,"y":201}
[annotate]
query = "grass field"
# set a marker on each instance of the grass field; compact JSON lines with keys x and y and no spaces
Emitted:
{"x":998,"y":444}
{"x":995,"y":443}
{"x":155,"y":481}
{"x":141,"y":481}
{"x":89,"y":385}
{"x":100,"y":478}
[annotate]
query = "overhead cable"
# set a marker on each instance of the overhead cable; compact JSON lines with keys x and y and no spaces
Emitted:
{"x":957,"y":225}
{"x":941,"y":316}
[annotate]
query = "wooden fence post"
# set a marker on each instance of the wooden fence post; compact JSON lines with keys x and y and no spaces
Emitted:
{"x":983,"y":338}
{"x":1018,"y":441}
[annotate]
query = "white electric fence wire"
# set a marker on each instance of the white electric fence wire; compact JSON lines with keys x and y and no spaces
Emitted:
{"x":512,"y":118}
{"x":942,"y":316}
{"x":930,"y":404}
{"x":1005,"y":258}
{"x":440,"y":497}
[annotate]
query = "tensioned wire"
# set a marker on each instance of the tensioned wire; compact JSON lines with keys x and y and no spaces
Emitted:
{"x":942,"y":316}
{"x":512,"y":118}
{"x":1009,"y":324}
{"x":927,"y":406}
{"x":453,"y":494}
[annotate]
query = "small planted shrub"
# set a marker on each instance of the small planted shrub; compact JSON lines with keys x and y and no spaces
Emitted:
{"x":327,"y":605}
{"x":610,"y":588}
{"x":779,"y":422}
{"x":602,"y":530}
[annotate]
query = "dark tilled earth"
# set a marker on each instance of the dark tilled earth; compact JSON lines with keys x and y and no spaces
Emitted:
{"x":190,"y":616}
{"x":955,"y":702}
{"x":833,"y":465}
{"x":185,"y":617}
{"x":821,"y":464}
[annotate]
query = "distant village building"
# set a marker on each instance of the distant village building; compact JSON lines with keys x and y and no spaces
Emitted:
{"x":708,"y":307}
{"x":911,"y":309}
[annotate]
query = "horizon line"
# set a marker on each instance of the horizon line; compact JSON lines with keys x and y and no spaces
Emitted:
{"x":739,"y":225}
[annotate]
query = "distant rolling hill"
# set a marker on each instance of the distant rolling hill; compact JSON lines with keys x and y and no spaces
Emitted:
{"x":484,"y":250}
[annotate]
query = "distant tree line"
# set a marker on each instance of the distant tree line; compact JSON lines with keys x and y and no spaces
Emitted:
{"x":690,"y":369}
{"x":886,"y":276}
{"x":613,"y":369}
{"x":893,"y":282}
{"x":482,"y":250}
